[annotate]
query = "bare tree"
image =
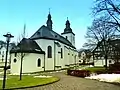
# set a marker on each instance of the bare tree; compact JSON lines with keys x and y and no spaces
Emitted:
{"x":19,"y":44}
{"x":21,"y":48}
{"x":109,"y":8}
{"x":98,"y":31}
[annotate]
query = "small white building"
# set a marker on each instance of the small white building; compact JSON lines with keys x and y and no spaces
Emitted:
{"x":3,"y":49}
{"x":55,"y":51}
{"x":85,"y":56}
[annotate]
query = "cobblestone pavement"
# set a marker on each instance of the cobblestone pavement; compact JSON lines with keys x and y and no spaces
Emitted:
{"x":76,"y":83}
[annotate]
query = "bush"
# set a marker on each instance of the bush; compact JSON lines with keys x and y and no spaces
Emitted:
{"x":78,"y":73}
{"x":114,"y":68}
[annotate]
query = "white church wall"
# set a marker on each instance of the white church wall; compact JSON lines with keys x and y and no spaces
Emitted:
{"x":101,"y":62}
{"x":15,"y":66}
{"x":30,"y":62}
{"x":66,"y":56}
{"x":44,"y":43}
{"x":57,"y":55}
{"x":70,"y":37}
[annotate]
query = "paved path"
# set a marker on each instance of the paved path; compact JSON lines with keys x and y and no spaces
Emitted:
{"x":76,"y":83}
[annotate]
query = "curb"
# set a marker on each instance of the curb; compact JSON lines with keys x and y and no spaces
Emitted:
{"x":35,"y":85}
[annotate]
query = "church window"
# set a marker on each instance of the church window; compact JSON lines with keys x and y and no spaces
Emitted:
{"x":39,"y":62}
{"x":49,"y":52}
{"x":61,"y":53}
{"x":15,"y":60}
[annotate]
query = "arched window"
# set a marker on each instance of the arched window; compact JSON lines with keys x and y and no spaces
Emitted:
{"x":39,"y":62}
{"x":15,"y":60}
{"x":49,"y":52}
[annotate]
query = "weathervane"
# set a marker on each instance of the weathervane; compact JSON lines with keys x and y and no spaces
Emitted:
{"x":49,"y":10}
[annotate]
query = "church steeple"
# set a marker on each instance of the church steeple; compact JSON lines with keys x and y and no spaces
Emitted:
{"x":67,"y":28}
{"x":68,"y":34}
{"x":49,"y":21}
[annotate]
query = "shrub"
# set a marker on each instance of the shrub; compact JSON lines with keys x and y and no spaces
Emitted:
{"x":78,"y":73}
{"x":114,"y":68}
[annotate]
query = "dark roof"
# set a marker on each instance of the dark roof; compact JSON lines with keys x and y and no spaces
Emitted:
{"x":85,"y":50}
{"x":27,"y":46}
{"x":46,"y":33}
{"x":115,"y":43}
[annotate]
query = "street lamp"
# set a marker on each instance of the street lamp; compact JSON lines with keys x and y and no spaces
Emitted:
{"x":8,"y":36}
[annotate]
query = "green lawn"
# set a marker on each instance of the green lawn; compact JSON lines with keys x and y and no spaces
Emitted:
{"x":14,"y":82}
{"x":95,"y":69}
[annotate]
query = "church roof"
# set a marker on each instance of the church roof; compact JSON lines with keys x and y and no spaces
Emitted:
{"x":46,"y":33}
{"x":27,"y":46}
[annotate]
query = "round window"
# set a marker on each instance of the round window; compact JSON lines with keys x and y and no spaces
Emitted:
{"x":15,"y":60}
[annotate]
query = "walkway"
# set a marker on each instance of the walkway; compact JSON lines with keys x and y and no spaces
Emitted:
{"x":76,"y":83}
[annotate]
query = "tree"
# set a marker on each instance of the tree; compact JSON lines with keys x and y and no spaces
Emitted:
{"x":19,"y":44}
{"x":98,"y":31}
{"x":109,"y":8}
{"x":22,"y":54}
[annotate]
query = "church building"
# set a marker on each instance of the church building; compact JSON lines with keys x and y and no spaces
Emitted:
{"x":45,"y":50}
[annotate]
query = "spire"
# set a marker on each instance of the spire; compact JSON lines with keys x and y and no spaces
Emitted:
{"x":49,"y":21}
{"x":67,"y":28}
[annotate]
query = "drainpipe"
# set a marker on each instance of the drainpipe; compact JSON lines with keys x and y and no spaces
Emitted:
{"x":54,"y":55}
{"x":44,"y":62}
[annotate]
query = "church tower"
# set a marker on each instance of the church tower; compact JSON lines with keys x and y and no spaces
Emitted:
{"x":68,"y":34}
{"x":49,"y":22}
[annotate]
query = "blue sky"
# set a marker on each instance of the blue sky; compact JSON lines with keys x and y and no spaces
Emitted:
{"x":14,"y":13}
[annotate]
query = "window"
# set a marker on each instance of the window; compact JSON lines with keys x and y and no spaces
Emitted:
{"x":61,"y":53}
{"x":15,"y":60}
{"x":3,"y":52}
{"x":39,"y":62}
{"x":49,"y":52}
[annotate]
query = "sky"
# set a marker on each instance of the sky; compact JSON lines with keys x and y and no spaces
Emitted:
{"x":15,"y":13}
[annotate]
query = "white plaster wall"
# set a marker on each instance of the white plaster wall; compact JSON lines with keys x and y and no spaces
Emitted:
{"x":57,"y":56}
{"x":101,"y":62}
{"x":29,"y":63}
{"x":70,"y":37}
{"x":66,"y":56}
{"x":44,"y":43}
{"x":62,"y":60}
{"x":49,"y":62}
{"x":3,"y":52}
{"x":15,"y":67}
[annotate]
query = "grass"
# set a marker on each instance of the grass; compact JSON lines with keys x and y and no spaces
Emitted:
{"x":95,"y":69}
{"x":27,"y":81}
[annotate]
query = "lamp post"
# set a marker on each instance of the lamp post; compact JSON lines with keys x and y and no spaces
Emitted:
{"x":8,"y":36}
